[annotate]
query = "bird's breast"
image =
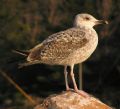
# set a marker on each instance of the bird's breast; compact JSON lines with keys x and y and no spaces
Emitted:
{"x":85,"y":52}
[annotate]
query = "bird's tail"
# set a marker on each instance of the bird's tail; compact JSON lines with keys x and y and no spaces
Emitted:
{"x":21,"y":52}
{"x":21,"y":65}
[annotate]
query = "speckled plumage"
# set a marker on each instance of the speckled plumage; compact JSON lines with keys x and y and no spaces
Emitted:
{"x":67,"y":47}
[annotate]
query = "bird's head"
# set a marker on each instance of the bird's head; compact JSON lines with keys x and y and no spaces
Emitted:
{"x":87,"y":20}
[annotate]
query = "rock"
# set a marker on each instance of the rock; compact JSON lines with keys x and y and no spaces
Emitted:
{"x":71,"y":100}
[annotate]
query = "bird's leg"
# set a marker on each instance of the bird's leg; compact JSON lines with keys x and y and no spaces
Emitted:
{"x":66,"y":79}
{"x":82,"y":93}
{"x":73,"y":79}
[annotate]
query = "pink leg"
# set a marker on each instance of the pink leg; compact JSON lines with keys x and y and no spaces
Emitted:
{"x":66,"y":79}
{"x":82,"y":93}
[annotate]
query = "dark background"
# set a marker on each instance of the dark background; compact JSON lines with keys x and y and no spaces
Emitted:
{"x":25,"y":23}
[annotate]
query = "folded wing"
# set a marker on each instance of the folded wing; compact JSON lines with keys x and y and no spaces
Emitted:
{"x":59,"y":46}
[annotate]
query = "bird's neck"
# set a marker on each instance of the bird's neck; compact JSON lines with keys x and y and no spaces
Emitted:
{"x":87,"y":28}
{"x":83,"y":26}
{"x":80,"y":24}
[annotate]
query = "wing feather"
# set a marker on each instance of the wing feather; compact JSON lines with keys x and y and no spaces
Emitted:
{"x":59,"y":46}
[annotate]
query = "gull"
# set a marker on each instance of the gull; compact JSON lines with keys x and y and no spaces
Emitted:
{"x":68,"y":47}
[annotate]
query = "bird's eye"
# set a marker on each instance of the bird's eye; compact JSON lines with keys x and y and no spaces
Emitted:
{"x":87,"y":18}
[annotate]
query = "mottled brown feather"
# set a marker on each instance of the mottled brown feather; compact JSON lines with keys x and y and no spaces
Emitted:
{"x":59,"y":46}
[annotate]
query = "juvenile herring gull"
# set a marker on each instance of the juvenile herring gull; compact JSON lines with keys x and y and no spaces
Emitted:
{"x":68,"y":47}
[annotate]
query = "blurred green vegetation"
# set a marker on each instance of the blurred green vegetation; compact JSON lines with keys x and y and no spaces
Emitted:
{"x":25,"y":23}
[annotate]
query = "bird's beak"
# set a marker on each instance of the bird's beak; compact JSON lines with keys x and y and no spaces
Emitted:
{"x":101,"y":22}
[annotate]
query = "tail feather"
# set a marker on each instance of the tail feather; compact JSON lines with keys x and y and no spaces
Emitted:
{"x":24,"y":53}
{"x":21,"y":65}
